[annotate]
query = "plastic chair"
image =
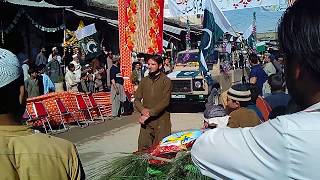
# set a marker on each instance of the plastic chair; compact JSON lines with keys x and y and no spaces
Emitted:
{"x":40,"y":113}
{"x":264,"y":107}
{"x":82,"y":105}
{"x":63,"y":111}
{"x":94,"y":105}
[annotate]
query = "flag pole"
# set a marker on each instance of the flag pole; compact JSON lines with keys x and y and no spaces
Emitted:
{"x":254,"y":31}
{"x":188,"y":36}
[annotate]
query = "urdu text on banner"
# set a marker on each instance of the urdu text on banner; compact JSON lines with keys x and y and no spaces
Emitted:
{"x":194,"y":7}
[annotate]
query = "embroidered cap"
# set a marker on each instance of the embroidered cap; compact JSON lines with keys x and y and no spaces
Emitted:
{"x":239,"y":92}
{"x":10,"y":68}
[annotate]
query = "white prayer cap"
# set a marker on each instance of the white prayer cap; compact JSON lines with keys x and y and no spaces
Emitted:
{"x":10,"y":68}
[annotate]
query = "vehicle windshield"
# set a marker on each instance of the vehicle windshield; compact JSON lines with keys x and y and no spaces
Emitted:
{"x":187,"y":57}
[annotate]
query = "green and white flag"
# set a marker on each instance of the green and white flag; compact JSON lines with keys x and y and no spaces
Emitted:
{"x":89,"y":41}
{"x":248,"y":32}
{"x":215,"y":25}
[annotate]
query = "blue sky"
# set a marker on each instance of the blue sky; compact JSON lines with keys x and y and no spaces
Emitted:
{"x":267,"y":21}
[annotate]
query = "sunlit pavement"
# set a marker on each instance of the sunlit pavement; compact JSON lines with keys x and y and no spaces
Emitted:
{"x":99,"y":143}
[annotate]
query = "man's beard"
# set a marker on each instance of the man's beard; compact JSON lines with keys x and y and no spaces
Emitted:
{"x":154,"y":75}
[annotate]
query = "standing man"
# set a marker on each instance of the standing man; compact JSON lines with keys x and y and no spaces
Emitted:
{"x":41,"y":58}
{"x":47,"y":84}
{"x":54,"y":69}
{"x":136,"y":75}
{"x":55,"y":53}
{"x":286,"y":147}
{"x":117,"y":91}
{"x":109,"y":65}
{"x":25,"y":69}
{"x":268,"y":66}
{"x":257,"y":75}
{"x":70,"y":78}
{"x":32,"y":84}
{"x":23,"y":153}
{"x":152,"y":99}
{"x":77,"y":66}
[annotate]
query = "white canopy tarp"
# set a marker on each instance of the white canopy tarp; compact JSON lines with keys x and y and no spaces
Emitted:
{"x":41,"y":4}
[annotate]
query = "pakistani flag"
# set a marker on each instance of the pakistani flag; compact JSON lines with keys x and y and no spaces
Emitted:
{"x":215,"y":24}
{"x":249,"y":36}
{"x":248,"y":32}
{"x":88,"y":40}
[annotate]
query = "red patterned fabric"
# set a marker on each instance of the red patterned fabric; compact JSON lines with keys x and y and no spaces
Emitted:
{"x":69,"y":101}
{"x":140,"y":30}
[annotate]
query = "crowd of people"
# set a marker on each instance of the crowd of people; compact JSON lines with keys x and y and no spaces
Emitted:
{"x":42,"y":74}
{"x":259,"y":96}
{"x":285,"y":146}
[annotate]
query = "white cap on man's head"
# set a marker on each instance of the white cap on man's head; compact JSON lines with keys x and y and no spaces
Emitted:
{"x":10,"y":68}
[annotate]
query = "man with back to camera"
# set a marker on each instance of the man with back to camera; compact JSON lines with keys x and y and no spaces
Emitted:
{"x":288,"y":146}
{"x":257,"y":75}
{"x":23,"y":153}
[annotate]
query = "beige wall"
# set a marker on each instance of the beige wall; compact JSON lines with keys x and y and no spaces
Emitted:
{"x":267,"y":36}
{"x":104,"y":2}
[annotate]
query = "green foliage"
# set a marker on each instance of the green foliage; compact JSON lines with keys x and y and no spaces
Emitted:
{"x":136,"y":166}
{"x":132,"y":167}
{"x":182,"y":167}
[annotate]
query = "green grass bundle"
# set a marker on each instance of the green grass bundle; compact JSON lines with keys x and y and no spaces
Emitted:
{"x":133,"y":166}
{"x":182,"y":167}
{"x":137,"y":167}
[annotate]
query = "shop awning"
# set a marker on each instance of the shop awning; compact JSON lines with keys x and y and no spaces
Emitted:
{"x":41,"y":4}
{"x":166,"y":27}
{"x":172,"y":29}
{"x":93,"y":16}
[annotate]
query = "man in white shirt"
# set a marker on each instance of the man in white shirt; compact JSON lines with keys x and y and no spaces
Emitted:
{"x":70,"y":79}
{"x":286,"y":147}
{"x":77,"y":66}
{"x":55,"y":52}
{"x":268,"y":67}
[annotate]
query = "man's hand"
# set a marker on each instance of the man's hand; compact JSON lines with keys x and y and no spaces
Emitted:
{"x":145,"y":112}
{"x":142,"y":119}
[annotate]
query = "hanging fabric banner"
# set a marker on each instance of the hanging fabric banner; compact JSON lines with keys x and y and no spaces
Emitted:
{"x":185,"y":7}
{"x":43,"y":28}
{"x":13,"y":23}
{"x":282,"y":6}
{"x":140,"y":30}
{"x":194,"y":7}
{"x":227,"y":5}
{"x":34,"y":23}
